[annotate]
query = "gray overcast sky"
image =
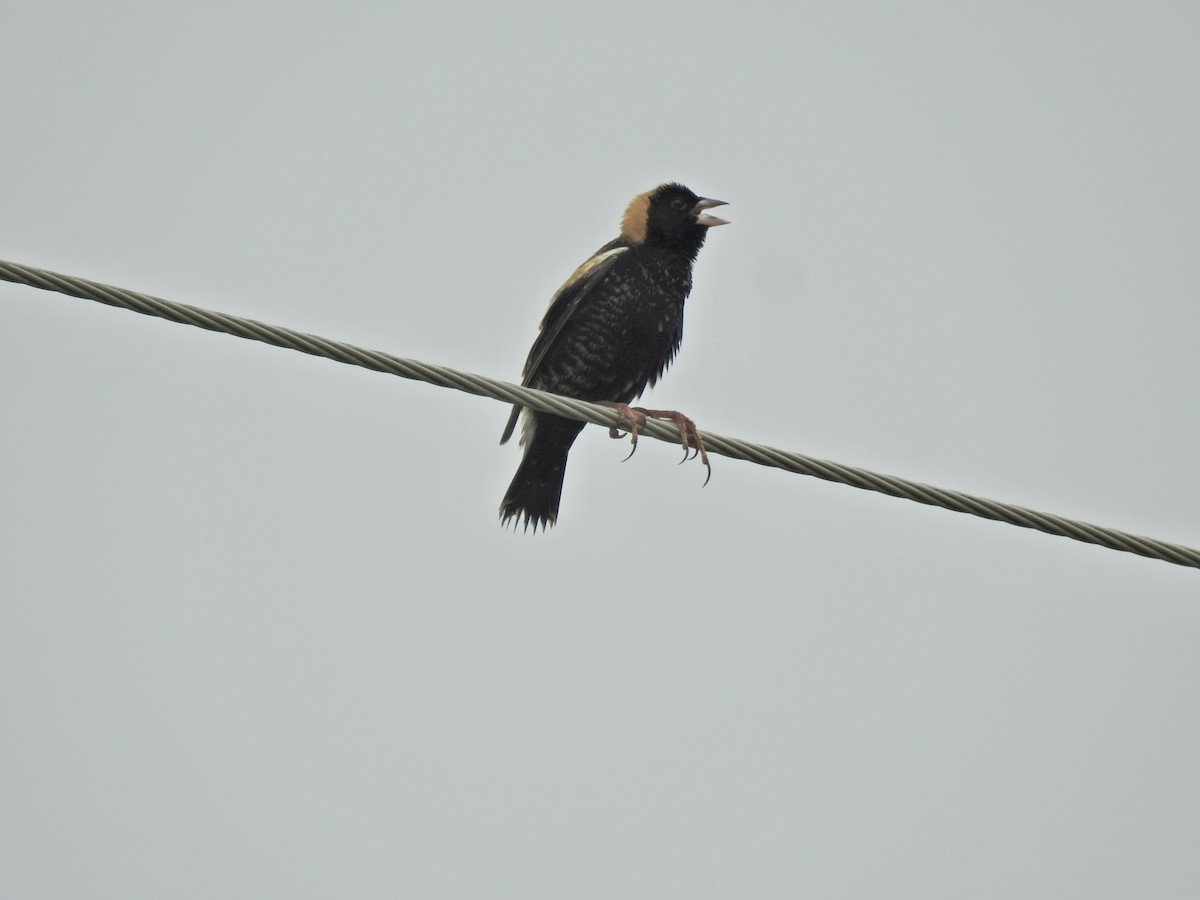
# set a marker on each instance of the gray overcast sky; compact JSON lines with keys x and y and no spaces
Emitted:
{"x":260,"y":633}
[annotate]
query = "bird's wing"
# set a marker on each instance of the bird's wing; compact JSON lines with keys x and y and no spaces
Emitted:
{"x":564,"y":303}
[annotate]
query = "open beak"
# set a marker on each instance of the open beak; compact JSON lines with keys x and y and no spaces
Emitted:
{"x":703,"y":218}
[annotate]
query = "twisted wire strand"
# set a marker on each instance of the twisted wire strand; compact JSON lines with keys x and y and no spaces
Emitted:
{"x":542,"y":401}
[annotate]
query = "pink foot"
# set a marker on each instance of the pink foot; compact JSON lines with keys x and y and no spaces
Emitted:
{"x":632,"y":419}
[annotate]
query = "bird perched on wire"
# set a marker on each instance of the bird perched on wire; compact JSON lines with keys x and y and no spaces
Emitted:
{"x":610,"y":332}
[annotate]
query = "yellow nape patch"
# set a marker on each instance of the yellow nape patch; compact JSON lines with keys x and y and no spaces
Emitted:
{"x":637,"y":214}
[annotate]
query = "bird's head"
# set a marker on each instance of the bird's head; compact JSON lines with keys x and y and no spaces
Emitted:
{"x":670,"y":216}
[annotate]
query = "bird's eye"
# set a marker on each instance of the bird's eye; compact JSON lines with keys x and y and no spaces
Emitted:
{"x":678,"y":203}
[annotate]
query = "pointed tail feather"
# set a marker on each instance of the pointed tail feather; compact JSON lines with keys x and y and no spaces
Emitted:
{"x":533,"y":496}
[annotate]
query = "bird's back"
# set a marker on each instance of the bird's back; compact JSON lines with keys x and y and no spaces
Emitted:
{"x":622,"y":334}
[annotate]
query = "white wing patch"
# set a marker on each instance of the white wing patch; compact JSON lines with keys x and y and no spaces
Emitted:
{"x":528,"y":426}
{"x":528,"y":422}
{"x":587,"y":269}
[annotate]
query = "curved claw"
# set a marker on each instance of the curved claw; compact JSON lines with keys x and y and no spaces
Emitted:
{"x":708,"y":466}
{"x":630,"y":419}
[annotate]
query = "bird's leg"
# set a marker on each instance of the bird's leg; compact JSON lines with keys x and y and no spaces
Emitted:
{"x":629,"y":418}
{"x":633,"y":418}
{"x":689,"y":435}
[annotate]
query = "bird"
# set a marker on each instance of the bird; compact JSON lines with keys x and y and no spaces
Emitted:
{"x":610,"y":332}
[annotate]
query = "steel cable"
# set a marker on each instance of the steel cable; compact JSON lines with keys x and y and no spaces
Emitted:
{"x":600,"y":415}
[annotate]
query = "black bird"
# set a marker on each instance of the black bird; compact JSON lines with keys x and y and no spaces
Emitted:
{"x":611,"y":331}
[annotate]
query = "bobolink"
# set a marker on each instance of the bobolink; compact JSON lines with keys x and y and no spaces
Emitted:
{"x":610,"y":332}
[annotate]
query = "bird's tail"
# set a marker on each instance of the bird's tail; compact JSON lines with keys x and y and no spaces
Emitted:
{"x":536,"y":489}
